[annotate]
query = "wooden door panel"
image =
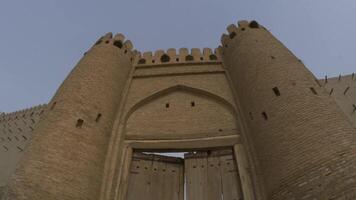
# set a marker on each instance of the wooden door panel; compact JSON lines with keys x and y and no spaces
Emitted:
{"x":155,"y":177}
{"x":212,"y":176}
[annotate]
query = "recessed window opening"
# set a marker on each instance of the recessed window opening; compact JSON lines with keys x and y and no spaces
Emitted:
{"x":118,"y":44}
{"x":313,"y":90}
{"x":264,"y":115}
{"x":167,"y":105}
{"x":201,"y":58}
{"x":192,"y":104}
{"x":189,"y":58}
{"x":153,"y":61}
{"x":107,"y":41}
{"x":53,"y":105}
{"x":232,"y":35}
{"x":251,"y":116}
{"x":276,"y":91}
{"x":98,"y":117}
{"x":165,"y":58}
{"x":177,"y":59}
{"x":80,"y":123}
{"x":213,"y":57}
{"x":142,"y":61}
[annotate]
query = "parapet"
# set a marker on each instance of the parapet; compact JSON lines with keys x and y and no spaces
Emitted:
{"x":118,"y":41}
{"x":234,"y":31}
{"x":171,"y":56}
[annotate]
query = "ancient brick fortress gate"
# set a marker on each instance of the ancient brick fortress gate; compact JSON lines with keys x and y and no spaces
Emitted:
{"x":254,"y":122}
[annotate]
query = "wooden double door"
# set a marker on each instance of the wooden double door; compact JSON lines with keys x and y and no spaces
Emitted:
{"x":202,"y":175}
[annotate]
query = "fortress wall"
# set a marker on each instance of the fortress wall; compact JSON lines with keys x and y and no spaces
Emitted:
{"x":343,"y":90}
{"x":304,"y":145}
{"x":15,"y":135}
{"x":66,"y":157}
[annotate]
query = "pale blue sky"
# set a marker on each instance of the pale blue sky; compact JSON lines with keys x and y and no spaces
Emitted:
{"x":41,"y":40}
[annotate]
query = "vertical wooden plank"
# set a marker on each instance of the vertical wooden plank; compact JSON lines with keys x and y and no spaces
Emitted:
{"x":230,"y":179}
{"x":140,"y":186}
{"x":196,"y":176}
{"x":172,"y":186}
{"x":189,"y":162}
{"x":181,"y":181}
{"x":202,"y":176}
{"x":214,"y":190}
{"x":243,"y":168}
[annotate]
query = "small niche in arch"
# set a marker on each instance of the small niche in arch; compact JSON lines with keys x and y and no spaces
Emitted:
{"x":276,"y":91}
{"x":165,"y":58}
{"x":167,"y":105}
{"x":232,"y":35}
{"x":192,"y":104}
{"x":98,"y":117}
{"x":254,"y":24}
{"x":264,"y":115}
{"x":118,"y":44}
{"x":142,"y":61}
{"x":189,"y":58}
{"x":313,"y":90}
{"x":80,"y":123}
{"x":213,"y":57}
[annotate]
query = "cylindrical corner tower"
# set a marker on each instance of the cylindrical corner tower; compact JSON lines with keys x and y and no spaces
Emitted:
{"x":304,"y":145}
{"x":66,"y":157}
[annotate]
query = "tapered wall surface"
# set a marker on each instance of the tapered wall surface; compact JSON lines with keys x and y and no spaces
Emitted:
{"x":66,"y":157}
{"x":304,"y":145}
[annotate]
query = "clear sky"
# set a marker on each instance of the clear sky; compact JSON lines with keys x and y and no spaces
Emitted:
{"x":42,"y":40}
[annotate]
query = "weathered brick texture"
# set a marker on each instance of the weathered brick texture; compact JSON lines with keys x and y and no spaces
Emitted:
{"x":304,"y":144}
{"x":66,"y":157}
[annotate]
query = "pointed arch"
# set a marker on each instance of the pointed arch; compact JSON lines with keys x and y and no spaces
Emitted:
{"x":177,"y":88}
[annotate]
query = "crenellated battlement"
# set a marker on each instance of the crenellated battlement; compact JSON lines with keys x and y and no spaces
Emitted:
{"x":118,"y":41}
{"x":234,"y":31}
{"x":171,"y":56}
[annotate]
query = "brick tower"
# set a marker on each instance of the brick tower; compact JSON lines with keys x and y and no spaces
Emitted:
{"x":303,"y":145}
{"x":80,"y":116}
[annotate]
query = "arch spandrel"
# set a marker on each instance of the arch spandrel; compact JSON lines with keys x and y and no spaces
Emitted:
{"x":180,"y":112}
